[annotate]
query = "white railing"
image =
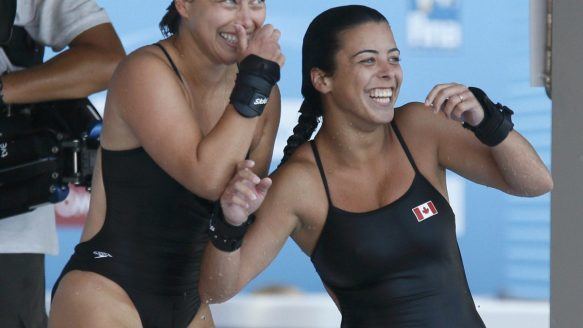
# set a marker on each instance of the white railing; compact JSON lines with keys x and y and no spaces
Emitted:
{"x":318,"y":311}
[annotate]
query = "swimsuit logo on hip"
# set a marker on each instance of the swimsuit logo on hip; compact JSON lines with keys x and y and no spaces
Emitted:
{"x":100,"y":255}
{"x":425,"y":211}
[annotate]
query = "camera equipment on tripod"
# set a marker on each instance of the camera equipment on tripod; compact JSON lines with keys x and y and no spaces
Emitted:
{"x":43,"y":148}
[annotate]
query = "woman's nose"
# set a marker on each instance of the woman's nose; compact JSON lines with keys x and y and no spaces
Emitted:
{"x":244,"y":17}
{"x":386,"y":70}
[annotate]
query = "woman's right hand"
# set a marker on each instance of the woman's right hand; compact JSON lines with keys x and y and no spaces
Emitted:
{"x":264,"y":43}
{"x":244,"y":194}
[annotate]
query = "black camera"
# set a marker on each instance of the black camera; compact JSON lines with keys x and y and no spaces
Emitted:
{"x":43,"y":148}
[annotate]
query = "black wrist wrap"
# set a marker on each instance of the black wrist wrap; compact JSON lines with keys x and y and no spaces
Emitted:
{"x":497,"y":122}
{"x":256,"y":78}
{"x":225,"y":236}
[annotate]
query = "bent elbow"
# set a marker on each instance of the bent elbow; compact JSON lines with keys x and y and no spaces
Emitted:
{"x":210,"y":185}
{"x":108,"y":66}
{"x":542,"y":187}
{"x":210,"y":191}
{"x":548,"y":184}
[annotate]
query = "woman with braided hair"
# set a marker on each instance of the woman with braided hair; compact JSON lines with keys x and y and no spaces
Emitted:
{"x":180,"y":114}
{"x":367,"y":198}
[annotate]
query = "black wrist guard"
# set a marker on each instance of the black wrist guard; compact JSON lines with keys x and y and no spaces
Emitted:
{"x":225,"y":236}
{"x":497,"y":122}
{"x":256,"y":78}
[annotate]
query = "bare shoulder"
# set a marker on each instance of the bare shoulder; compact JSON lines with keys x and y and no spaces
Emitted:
{"x":420,"y":128}
{"x":145,"y":81}
{"x":298,"y":184}
{"x":417,"y":117}
{"x":420,"y":125}
{"x":298,"y":172}
{"x":146,"y":62}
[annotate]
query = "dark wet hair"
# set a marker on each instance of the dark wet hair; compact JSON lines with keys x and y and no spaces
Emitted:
{"x":170,"y":22}
{"x":321,"y":43}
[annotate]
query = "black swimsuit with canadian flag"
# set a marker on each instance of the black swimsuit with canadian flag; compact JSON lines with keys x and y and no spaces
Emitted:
{"x":397,"y":266}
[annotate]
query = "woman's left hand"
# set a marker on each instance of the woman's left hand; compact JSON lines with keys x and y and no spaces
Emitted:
{"x":244,"y":194}
{"x":457,"y":102}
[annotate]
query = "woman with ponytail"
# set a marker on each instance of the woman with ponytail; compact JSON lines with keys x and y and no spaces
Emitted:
{"x":366,"y":200}
{"x":180,"y":114}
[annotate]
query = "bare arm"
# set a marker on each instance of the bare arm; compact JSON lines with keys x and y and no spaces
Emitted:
{"x":165,"y":124}
{"x":224,"y":274}
{"x":263,"y":152}
{"x":512,"y":166}
{"x":161,"y":114}
{"x":84,"y":68}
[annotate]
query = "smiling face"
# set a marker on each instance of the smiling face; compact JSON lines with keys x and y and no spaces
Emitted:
{"x":211,"y":23}
{"x":367,"y":75}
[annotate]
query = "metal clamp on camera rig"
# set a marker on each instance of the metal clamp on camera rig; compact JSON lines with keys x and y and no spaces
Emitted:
{"x":43,"y":148}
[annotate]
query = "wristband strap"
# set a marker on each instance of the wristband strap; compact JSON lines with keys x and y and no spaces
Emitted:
{"x":256,"y":78}
{"x":497,"y":122}
{"x":225,"y":236}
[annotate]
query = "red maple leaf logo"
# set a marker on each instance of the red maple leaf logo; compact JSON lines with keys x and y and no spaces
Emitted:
{"x":425,"y":210}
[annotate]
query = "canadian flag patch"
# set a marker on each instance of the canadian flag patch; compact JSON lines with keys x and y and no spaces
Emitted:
{"x":425,"y":211}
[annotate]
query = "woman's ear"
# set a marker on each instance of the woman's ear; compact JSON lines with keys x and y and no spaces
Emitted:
{"x":320,"y":80}
{"x":182,"y":7}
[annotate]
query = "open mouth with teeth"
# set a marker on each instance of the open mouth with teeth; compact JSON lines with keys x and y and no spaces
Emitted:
{"x":231,"y":39}
{"x":381,"y":96}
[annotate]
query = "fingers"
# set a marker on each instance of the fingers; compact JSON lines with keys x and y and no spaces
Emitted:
{"x":443,"y":93}
{"x":240,"y":193}
{"x":280,"y":60}
{"x":247,"y":175}
{"x":456,"y":102}
{"x":236,"y":200}
{"x":263,"y":186}
{"x":265,"y":44}
{"x":245,"y":164}
{"x":429,"y":101}
{"x":243,"y":186}
{"x":242,"y":38}
{"x":276,"y":34}
{"x":459,"y":104}
{"x":457,"y":113}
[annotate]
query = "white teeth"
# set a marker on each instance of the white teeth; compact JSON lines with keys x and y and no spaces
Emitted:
{"x":382,"y":101}
{"x":381,"y":94}
{"x":231,"y":38}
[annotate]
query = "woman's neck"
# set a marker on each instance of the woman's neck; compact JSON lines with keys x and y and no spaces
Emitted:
{"x":353,"y":146}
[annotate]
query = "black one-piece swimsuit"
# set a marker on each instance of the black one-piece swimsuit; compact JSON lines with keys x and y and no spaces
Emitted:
{"x":397,"y":266}
{"x":152,"y":240}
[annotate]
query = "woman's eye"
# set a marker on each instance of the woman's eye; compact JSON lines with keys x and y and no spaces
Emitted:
{"x":394,"y":59}
{"x":259,"y":2}
{"x":368,"y":61}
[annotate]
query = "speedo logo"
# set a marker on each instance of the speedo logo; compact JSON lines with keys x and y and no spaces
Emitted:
{"x":3,"y":150}
{"x":100,"y":255}
{"x":260,"y":101}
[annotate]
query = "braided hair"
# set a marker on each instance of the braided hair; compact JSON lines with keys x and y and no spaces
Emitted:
{"x":320,"y":45}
